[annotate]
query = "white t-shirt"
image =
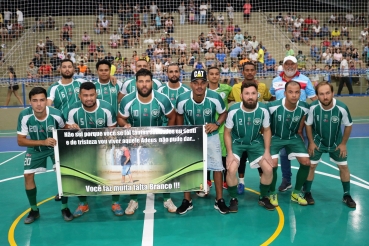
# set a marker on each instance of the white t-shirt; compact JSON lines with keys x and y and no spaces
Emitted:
{"x":209,"y":44}
{"x":7,"y":15}
{"x":248,"y":47}
{"x":182,"y":9}
{"x":20,"y":15}
{"x":344,"y":68}
{"x":203,"y":9}
{"x":348,"y":43}
{"x":254,"y":44}
{"x":316,"y":29}
{"x":297,"y":24}
{"x":364,"y":33}
{"x":114,"y":37}
{"x":230,"y":11}
{"x":253,"y":57}
{"x":349,"y":17}
{"x":105,"y":23}
{"x":153,"y":9}
{"x":182,"y":46}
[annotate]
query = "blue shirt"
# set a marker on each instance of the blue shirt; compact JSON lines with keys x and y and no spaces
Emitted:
{"x":221,"y":57}
{"x":235,"y":52}
{"x":307,"y":89}
{"x":169,"y":40}
{"x":269,"y":62}
{"x":158,"y":21}
{"x":335,"y":43}
{"x":325,"y":29}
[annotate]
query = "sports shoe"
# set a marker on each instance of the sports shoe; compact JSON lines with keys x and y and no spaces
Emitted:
{"x":202,"y":193}
{"x":309,"y":198}
{"x":225,"y":186}
{"x":117,"y":209}
{"x":170,"y":206}
{"x":210,"y":184}
{"x":233,"y":205}
{"x":82,"y":208}
{"x":349,"y":201}
{"x":132,"y":206}
{"x":221,"y":206}
{"x":185,"y":206}
{"x":273,"y":198}
{"x":57,"y":198}
{"x":265,"y":202}
{"x":285,"y":185}
{"x":299,"y":199}
{"x":32,"y":216}
{"x":240,"y":189}
{"x":67,"y":215}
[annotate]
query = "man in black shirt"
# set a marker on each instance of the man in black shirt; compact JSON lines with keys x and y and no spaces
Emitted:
{"x":71,"y":49}
{"x":55,"y":62}
{"x":109,"y":58}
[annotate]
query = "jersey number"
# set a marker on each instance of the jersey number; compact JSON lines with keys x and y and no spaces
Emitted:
{"x":27,"y":161}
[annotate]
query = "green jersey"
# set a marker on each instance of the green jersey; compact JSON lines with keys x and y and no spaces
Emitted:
{"x":37,"y":129}
{"x":129,"y":85}
{"x":223,"y":90}
{"x":245,"y":125}
{"x":326,"y":124}
{"x":285,"y":123}
{"x":172,"y":94}
{"x":145,"y":114}
{"x":108,"y":92}
{"x":200,"y":113}
{"x":103,"y":116}
{"x":64,"y":95}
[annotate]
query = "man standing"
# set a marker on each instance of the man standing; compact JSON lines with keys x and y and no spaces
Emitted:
{"x":146,"y":107}
{"x":38,"y":121}
{"x":278,"y":92}
{"x":345,"y":76}
{"x":242,"y":134}
{"x":199,"y":107}
{"x":324,"y":123}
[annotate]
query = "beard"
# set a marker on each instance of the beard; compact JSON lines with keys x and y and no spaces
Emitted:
{"x":327,"y":104}
{"x":144,"y":94}
{"x":87,"y":106}
{"x":66,"y":76}
{"x":249,"y":104}
{"x":290,"y":72}
{"x":173,"y":80}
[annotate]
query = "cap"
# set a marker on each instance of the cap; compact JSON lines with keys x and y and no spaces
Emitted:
{"x":290,"y":58}
{"x":198,"y":74}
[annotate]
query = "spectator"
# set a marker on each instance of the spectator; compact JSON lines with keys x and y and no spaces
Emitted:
{"x":105,"y":25}
{"x":194,"y":47}
{"x":32,"y":73}
{"x":20,"y":17}
{"x":114,"y":40}
{"x":336,"y":43}
{"x":203,"y":9}
{"x":219,"y":30}
{"x":235,"y":53}
{"x":37,"y":60}
{"x":110,"y":58}
{"x":247,"y":46}
{"x":230,"y":29}
{"x":50,"y":22}
{"x":158,"y":22}
{"x":314,"y":53}
{"x":327,"y":57}
{"x":91,"y":51}
{"x":317,"y":30}
{"x":246,"y":11}
{"x":301,"y":60}
{"x":325,"y":31}
{"x":55,"y":62}
{"x":253,"y":56}
{"x":69,"y":57}
{"x":335,"y":33}
{"x":327,"y":74}
{"x":345,"y":76}
{"x":364,"y":35}
{"x":7,"y":16}
{"x":225,"y":74}
{"x":221,"y":56}
{"x":289,"y":51}
{"x":41,"y":47}
{"x":337,"y":57}
{"x":65,"y":33}
{"x":269,"y":63}
{"x":254,"y":43}
{"x":345,"y":31}
{"x":333,"y":18}
{"x":243,"y":60}
{"x":347,"y":43}
{"x":270,"y":19}
{"x":350,"y":18}
{"x":182,"y":47}
{"x":45,"y":70}
{"x":98,"y":27}
{"x":235,"y":75}
{"x":212,"y":21}
{"x":69,"y":22}
{"x":119,"y":57}
{"x":182,"y":13}
{"x":82,"y":67}
{"x":71,"y":48}
{"x":220,"y":19}
{"x":238,"y":38}
{"x":13,"y":86}
{"x":230,"y":12}
{"x":260,"y":62}
{"x":153,"y":10}
{"x":314,"y":75}
{"x":209,"y":58}
{"x":39,"y":25}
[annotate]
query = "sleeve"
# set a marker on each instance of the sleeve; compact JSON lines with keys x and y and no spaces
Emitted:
{"x":51,"y":92}
{"x":124,"y":108}
{"x":266,"y":120}
{"x":110,"y":116}
{"x":310,"y":91}
{"x":22,"y":128}
{"x":71,"y":113}
{"x":59,"y":119}
{"x":124,"y":87}
{"x":229,"y":121}
{"x":180,"y":105}
{"x":166,"y":105}
{"x":310,"y":117}
{"x":346,"y":116}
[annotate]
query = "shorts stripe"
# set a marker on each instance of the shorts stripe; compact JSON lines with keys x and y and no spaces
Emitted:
{"x":293,"y":156}
{"x":37,"y":170}
{"x":343,"y":163}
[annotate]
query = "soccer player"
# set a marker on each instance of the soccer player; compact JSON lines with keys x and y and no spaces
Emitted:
{"x":91,"y":112}
{"x":38,"y":121}
{"x":146,"y":107}
{"x":242,"y":133}
{"x":199,"y":107}
{"x":323,"y":128}
{"x":287,"y":118}
{"x":130,"y":84}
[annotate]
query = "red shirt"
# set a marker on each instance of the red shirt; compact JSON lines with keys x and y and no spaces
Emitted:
{"x":308,"y":21}
{"x":45,"y":69}
{"x":138,"y":23}
{"x":326,"y":43}
{"x":92,"y":48}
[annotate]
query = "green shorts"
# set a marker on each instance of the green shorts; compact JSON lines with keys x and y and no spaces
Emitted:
{"x":35,"y":161}
{"x":255,"y":152}
{"x":294,"y":147}
{"x":334,"y":156}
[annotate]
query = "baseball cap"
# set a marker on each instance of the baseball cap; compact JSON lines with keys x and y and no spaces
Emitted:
{"x":290,"y":58}
{"x":198,"y":74}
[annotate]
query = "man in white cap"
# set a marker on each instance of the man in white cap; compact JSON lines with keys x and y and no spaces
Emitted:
{"x":277,"y":90}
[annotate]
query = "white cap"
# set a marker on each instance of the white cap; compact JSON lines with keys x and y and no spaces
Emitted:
{"x":290,"y":58}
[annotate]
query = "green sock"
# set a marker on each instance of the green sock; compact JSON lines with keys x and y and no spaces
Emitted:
{"x":301,"y":177}
{"x":115,"y":198}
{"x":264,"y":190}
{"x":31,"y":195}
{"x":307,"y":185}
{"x":64,"y":201}
{"x":166,"y":196}
{"x":133,"y":197}
{"x":346,"y":188}
{"x":82,"y":199}
{"x":232,"y":191}
{"x":274,"y":181}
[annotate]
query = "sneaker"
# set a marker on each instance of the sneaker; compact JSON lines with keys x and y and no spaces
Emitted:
{"x":210,"y":184}
{"x":82,"y":208}
{"x":32,"y":216}
{"x":202,"y":193}
{"x":349,"y":201}
{"x":170,"y":206}
{"x":240,"y":189}
{"x":233,"y":205}
{"x":117,"y":209}
{"x":265,"y":202}
{"x":57,"y":198}
{"x":67,"y":215}
{"x":299,"y":199}
{"x":185,"y":206}
{"x":309,"y":198}
{"x":285,"y":185}
{"x":132,"y":206}
{"x":225,"y":186}
{"x":273,"y":198}
{"x":221,"y":206}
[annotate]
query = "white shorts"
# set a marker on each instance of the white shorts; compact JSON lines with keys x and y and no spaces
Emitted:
{"x":214,"y":155}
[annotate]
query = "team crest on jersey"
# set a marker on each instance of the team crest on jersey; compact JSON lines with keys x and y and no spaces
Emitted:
{"x":222,"y":94}
{"x":325,"y":118}
{"x":257,"y":121}
{"x":172,"y":97}
{"x":145,"y":112}
{"x":296,"y":119}
{"x":98,"y":91}
{"x":100,"y":122}
{"x":113,"y":90}
{"x":207,"y":111}
{"x":155,"y":112}
{"x":334,"y":119}
{"x":50,"y":128}
{"x":106,"y":90}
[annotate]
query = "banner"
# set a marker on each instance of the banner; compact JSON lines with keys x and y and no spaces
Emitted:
{"x":137,"y":160}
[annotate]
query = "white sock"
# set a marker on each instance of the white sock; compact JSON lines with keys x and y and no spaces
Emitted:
{"x":241,"y":180}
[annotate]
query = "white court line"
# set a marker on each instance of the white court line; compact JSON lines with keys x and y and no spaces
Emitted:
{"x":356,"y":177}
{"x":7,"y":133}
{"x":13,"y":151}
{"x":148,"y":228}
{"x":12,"y":158}
{"x":21,"y":176}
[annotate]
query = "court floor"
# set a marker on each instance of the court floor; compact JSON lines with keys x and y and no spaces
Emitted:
{"x":328,"y":222}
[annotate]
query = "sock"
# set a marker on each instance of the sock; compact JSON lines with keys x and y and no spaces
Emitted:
{"x":307,"y":186}
{"x":64,"y":201}
{"x":82,"y":199}
{"x":264,"y":190}
{"x":31,"y":195}
{"x":133,"y":197}
{"x":232,"y":190}
{"x":241,"y":180}
{"x":346,"y":188}
{"x":301,"y":177}
{"x":166,"y":196}
{"x":274,"y":181}
{"x":208,"y":175}
{"x":115,"y":199}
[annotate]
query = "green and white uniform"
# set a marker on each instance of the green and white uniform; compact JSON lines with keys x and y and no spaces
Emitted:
{"x":172,"y":94}
{"x":326,"y":126}
{"x":129,"y":85}
{"x":145,"y":114}
{"x":28,"y":124}
{"x":245,"y":132}
{"x":108,"y":92}
{"x":284,"y":126}
{"x":103,"y":116}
